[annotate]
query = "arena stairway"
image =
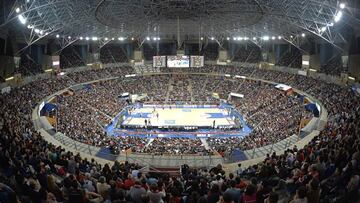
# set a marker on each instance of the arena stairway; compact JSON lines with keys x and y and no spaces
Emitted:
{"x":169,"y":89}
{"x":189,"y":88}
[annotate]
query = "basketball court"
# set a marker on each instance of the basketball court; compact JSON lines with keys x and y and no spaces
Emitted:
{"x":178,"y":121}
{"x":174,"y":116}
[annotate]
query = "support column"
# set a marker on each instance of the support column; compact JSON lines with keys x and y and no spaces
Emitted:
{"x":138,"y":56}
{"x":180,"y":52}
{"x":223,"y":57}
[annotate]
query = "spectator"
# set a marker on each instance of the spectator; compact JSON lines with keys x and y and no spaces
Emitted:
{"x":103,"y":188}
{"x":136,"y":192}
{"x":300,"y":196}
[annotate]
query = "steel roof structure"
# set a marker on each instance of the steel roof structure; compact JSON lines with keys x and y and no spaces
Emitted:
{"x":254,"y":20}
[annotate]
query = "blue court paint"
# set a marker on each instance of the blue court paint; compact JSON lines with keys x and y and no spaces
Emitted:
{"x":140,"y":115}
{"x":170,"y":122}
{"x":215,"y":115}
{"x":186,"y":110}
{"x":112,"y":129}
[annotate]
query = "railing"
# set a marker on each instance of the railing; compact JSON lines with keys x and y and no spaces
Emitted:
{"x":144,"y":159}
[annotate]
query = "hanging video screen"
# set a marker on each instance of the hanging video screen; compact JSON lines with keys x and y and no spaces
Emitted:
{"x":178,"y":61}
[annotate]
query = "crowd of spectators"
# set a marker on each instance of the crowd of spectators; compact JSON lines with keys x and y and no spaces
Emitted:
{"x":160,"y":146}
{"x":180,"y":91}
{"x":325,"y":170}
{"x":84,"y":115}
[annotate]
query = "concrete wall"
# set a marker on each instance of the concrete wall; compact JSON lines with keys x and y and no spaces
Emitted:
{"x":314,"y":62}
{"x":223,"y":55}
{"x":7,"y":66}
{"x":46,"y":62}
{"x":138,"y":55}
{"x":354,"y":66}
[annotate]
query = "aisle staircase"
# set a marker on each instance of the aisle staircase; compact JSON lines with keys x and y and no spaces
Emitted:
{"x":189,"y":89}
{"x":169,"y":89}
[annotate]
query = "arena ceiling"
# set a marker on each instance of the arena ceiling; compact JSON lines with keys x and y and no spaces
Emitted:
{"x":179,"y":19}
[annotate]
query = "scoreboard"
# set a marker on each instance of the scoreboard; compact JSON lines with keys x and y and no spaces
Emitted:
{"x":159,"y":61}
{"x":197,"y":61}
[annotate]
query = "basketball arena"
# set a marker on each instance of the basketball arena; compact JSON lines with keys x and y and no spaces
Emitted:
{"x":155,"y":101}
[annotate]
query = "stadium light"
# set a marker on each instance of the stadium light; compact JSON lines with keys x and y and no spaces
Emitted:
{"x":266,"y":38}
{"x":41,"y":32}
{"x":30,"y":27}
{"x":112,"y":38}
{"x":37,"y":30}
{"x":234,"y":38}
{"x":303,"y":35}
{"x":323,"y":29}
{"x":22,"y":19}
{"x":121,"y":39}
{"x":17,"y":10}
{"x":158,"y":38}
{"x":201,"y":38}
{"x":81,"y":38}
{"x":342,"y":5}
{"x":69,"y":37}
{"x":94,"y":38}
{"x":148,"y":38}
{"x":87,"y":38}
{"x":273,"y":38}
{"x":57,"y":36}
{"x":106,"y":38}
{"x":338,"y":16}
{"x":291,"y":36}
{"x":279,"y":37}
{"x":246,"y":38}
{"x":254,"y":38}
{"x":132,"y":39}
{"x":212,"y":38}
{"x":228,"y":38}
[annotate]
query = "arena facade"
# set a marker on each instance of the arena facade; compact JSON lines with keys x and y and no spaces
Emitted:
{"x":179,"y":101}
